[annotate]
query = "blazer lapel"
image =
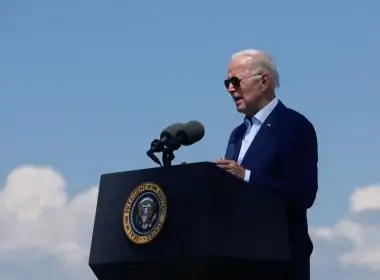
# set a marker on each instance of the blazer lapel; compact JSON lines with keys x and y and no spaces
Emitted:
{"x":236,"y":142}
{"x":266,"y":129}
{"x":237,"y":147}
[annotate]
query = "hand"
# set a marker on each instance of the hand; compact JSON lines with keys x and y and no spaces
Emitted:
{"x":231,"y":167}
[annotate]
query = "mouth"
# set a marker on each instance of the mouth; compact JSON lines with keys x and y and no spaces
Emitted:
{"x":237,"y":98}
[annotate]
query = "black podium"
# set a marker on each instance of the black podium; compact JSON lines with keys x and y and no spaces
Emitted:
{"x":191,"y":221}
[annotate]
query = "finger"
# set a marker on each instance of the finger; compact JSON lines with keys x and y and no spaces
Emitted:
{"x":226,"y":166}
{"x":223,"y":162}
{"x":232,"y":171}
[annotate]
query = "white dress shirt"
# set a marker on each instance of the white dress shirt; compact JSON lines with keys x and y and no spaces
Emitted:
{"x":253,"y":126}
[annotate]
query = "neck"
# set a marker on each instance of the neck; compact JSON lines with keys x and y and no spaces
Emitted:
{"x":260,"y":105}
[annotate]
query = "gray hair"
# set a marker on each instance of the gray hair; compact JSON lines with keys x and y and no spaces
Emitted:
{"x":260,"y":62}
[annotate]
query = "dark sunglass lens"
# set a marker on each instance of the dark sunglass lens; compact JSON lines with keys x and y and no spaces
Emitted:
{"x":226,"y":83}
{"x":235,"y":82}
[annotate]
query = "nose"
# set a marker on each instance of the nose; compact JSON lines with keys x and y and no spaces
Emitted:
{"x":230,"y":88}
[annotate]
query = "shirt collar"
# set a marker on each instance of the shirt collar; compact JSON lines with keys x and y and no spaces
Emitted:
{"x":263,"y":114}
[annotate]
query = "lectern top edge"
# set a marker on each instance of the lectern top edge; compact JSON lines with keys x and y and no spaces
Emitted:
{"x":205,"y":163}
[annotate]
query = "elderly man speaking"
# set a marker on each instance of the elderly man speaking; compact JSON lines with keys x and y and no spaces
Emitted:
{"x":275,"y":148}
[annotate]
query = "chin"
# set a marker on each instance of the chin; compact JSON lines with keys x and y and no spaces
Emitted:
{"x":241,"y":110}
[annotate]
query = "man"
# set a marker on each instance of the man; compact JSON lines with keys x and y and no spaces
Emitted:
{"x":275,"y":148}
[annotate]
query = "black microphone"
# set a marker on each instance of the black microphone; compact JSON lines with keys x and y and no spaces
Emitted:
{"x":171,"y":139}
{"x":167,"y":136}
{"x":190,"y":133}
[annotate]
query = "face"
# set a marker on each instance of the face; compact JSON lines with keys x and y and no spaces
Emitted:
{"x":245,"y":87}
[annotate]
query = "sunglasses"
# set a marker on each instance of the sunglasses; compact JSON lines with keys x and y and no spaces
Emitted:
{"x":236,"y":82}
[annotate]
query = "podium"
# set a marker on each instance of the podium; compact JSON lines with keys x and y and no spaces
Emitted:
{"x":191,"y":221}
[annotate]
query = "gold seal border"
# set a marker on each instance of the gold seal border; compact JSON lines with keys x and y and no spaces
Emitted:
{"x":143,"y":187}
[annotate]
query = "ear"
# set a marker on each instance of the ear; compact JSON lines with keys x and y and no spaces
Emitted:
{"x":264,"y":82}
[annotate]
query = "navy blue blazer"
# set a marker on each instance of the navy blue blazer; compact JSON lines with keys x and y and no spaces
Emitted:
{"x":283,"y":158}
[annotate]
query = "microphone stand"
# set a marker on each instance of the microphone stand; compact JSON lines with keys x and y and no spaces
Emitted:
{"x":167,"y":157}
{"x":168,"y":152}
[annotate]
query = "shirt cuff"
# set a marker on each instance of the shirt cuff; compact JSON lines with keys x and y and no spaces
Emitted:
{"x":247,"y":175}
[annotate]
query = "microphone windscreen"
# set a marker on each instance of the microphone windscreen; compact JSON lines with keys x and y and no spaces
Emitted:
{"x":171,"y":131}
{"x":192,"y":132}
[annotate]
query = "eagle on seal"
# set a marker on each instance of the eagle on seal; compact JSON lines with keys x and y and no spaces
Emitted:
{"x":146,"y":212}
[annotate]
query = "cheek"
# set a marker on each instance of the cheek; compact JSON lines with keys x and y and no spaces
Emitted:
{"x":251,"y":94}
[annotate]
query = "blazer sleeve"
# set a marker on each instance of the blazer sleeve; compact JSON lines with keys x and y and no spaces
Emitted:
{"x":298,"y":180}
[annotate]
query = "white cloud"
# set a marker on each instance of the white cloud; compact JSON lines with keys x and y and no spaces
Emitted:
{"x":44,"y":234}
{"x":39,"y":224}
{"x":365,"y":199}
{"x":355,"y":239}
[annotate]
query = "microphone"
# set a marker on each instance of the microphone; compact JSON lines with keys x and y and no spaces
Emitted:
{"x":168,"y":139}
{"x":191,"y":132}
{"x":171,"y":139}
{"x":167,"y":136}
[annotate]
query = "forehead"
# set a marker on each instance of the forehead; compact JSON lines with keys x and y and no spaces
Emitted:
{"x":237,"y":67}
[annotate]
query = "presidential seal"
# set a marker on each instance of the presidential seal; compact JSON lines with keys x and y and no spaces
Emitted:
{"x":144,"y":213}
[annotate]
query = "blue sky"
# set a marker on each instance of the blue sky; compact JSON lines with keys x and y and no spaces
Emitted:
{"x":86,"y":85}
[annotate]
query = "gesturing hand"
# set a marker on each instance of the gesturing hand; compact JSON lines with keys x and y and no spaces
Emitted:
{"x":232,"y":167}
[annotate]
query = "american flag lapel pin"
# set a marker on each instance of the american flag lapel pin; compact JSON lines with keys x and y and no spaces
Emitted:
{"x":269,"y":125}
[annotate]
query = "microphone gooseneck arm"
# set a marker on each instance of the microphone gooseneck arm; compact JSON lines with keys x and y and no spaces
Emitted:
{"x":156,"y":145}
